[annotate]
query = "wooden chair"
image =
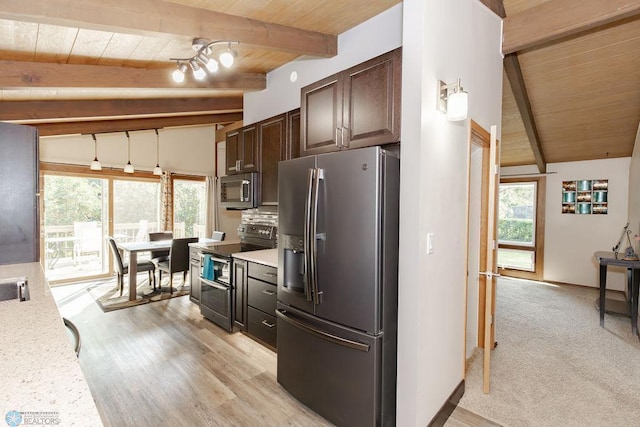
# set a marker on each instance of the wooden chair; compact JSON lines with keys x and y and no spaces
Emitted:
{"x":122,"y":268}
{"x":178,"y":260}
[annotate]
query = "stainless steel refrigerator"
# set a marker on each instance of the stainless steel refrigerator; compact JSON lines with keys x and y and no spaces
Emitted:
{"x":337,"y":284}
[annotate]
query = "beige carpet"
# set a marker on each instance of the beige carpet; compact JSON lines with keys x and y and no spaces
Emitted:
{"x":107,"y":294}
{"x":554,"y":365}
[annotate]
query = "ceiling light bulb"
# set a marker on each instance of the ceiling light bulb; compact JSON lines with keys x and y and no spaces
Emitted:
{"x":212,"y":65}
{"x":198,"y":72}
{"x":178,"y":74}
{"x":227,"y":58}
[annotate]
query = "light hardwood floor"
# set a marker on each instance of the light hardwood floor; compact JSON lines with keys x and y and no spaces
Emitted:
{"x":163,"y":364}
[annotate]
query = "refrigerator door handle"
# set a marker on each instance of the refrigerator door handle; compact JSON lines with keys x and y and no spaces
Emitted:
{"x":319,"y":175}
{"x":322,"y":334}
{"x":307,"y":238}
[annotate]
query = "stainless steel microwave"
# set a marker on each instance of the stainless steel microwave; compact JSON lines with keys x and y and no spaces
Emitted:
{"x":239,"y":191}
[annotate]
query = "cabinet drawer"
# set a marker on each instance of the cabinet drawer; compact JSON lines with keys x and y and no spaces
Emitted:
{"x":262,"y":326}
{"x":263,"y":272}
{"x":262,"y":295}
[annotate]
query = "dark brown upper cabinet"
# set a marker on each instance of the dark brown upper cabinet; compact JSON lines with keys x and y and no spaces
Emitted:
{"x":355,"y":108}
{"x":279,"y":139}
{"x":242,"y":150}
{"x":271,"y":133}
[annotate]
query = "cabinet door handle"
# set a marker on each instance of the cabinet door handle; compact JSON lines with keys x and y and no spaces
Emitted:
{"x":266,"y":292}
{"x":267,"y":324}
{"x":342,"y":137}
{"x":337,"y":142}
{"x":271,"y":274}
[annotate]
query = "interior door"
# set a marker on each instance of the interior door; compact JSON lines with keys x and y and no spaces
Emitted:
{"x":490,"y":267}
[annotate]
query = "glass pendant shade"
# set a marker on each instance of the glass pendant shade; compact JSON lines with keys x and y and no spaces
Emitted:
{"x":128,"y":168}
{"x":457,"y":106}
{"x":95,"y":165}
{"x":157,"y":170}
{"x":178,"y":74}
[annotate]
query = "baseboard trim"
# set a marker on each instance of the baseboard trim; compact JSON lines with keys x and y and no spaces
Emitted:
{"x":447,"y":408}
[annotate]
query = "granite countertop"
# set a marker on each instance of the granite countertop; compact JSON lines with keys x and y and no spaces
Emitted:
{"x":265,"y":256}
{"x":41,"y":376}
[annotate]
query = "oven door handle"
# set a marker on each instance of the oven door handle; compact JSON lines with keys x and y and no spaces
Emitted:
{"x":215,"y":285}
{"x":225,"y":261}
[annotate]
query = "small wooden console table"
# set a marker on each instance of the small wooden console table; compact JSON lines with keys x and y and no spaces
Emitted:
{"x":626,"y":308}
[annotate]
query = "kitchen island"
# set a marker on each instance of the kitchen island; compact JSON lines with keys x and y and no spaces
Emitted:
{"x":42,"y":382}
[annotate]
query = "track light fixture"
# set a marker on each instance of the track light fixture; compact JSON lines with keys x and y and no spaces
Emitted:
{"x":203,"y":58}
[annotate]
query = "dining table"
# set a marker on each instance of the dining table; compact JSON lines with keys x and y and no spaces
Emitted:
{"x":134,"y":248}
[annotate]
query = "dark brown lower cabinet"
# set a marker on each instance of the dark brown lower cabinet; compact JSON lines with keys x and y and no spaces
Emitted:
{"x":240,"y":293}
{"x":261,"y":303}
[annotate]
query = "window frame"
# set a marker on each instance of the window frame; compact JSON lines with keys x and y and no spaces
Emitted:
{"x":538,"y":247}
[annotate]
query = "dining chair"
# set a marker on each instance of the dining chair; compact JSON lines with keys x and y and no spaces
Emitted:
{"x":178,"y":260}
{"x":161,"y":255}
{"x":122,"y":268}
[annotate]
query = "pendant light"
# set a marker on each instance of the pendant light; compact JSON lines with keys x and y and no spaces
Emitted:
{"x":128,"y":168}
{"x":95,"y":164}
{"x":157,"y":170}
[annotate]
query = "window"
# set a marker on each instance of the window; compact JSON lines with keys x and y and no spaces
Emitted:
{"x":189,"y":208}
{"x":518,"y":226}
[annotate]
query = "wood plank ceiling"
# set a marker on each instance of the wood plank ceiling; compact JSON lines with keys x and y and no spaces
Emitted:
{"x":583,"y":88}
{"x":70,"y":65}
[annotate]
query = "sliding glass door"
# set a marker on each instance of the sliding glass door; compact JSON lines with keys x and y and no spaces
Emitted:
{"x":75,"y":226}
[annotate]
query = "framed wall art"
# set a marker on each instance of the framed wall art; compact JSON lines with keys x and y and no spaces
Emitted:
{"x":585,"y":197}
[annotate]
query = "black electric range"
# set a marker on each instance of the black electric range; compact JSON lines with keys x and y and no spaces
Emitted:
{"x":227,"y":249}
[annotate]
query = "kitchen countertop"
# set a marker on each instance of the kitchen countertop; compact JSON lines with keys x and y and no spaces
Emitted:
{"x":41,"y":376}
{"x":265,"y":256}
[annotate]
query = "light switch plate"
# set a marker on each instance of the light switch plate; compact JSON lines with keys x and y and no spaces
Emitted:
{"x":429,"y":243}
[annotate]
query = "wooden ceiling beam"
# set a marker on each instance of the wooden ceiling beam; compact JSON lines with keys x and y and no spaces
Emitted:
{"x":553,"y":20}
{"x":102,"y":126}
{"x":514,"y":74}
{"x":496,"y":6}
{"x":48,"y":110}
{"x":30,"y":75}
{"x":158,"y":18}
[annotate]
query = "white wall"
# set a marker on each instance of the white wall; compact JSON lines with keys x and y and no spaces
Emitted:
{"x":380,"y":34}
{"x":634,"y":189}
{"x":442,"y":40}
{"x":188,"y":150}
{"x":571,"y":240}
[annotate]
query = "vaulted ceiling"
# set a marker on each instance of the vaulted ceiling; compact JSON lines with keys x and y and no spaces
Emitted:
{"x":571,"y":86}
